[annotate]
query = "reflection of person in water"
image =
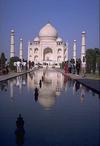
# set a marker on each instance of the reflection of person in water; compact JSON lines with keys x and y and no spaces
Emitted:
{"x":82,"y":93}
{"x":77,"y":86}
{"x":44,"y":72}
{"x":20,"y":132}
{"x":74,"y":87}
{"x":40,"y":83}
{"x":24,"y":77}
{"x":66,"y":67}
{"x":3,"y":86}
{"x":36,"y":94}
{"x":31,"y":75}
{"x":42,"y":78}
{"x":65,"y":80}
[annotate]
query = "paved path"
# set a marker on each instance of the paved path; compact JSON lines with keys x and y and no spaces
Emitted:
{"x":86,"y":81}
{"x":12,"y":75}
{"x":92,"y":84}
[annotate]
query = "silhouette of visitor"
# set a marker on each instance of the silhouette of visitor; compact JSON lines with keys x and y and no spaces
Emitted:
{"x":36,"y":98}
{"x":40,"y":83}
{"x":36,"y":94}
{"x":42,"y":78}
{"x":77,"y":86}
{"x":19,"y":132}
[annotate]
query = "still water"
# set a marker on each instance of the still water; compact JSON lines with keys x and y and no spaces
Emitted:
{"x":64,"y":114}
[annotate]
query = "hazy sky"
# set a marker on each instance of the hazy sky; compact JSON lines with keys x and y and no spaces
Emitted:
{"x":70,"y":17}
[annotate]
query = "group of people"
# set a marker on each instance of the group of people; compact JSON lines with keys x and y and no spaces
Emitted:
{"x":72,"y":67}
{"x":20,"y":66}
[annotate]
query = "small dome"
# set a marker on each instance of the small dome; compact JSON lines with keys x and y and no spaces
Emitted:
{"x":48,"y":31}
{"x":21,"y":39}
{"x":36,"y":39}
{"x":59,"y":39}
{"x":83,"y":32}
{"x":12,"y":30}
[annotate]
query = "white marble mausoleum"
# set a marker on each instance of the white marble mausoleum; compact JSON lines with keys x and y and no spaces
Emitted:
{"x":47,"y":47}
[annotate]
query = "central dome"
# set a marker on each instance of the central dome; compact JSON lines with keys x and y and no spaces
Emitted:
{"x":48,"y":31}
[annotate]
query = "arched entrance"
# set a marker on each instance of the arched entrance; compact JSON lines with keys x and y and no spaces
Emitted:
{"x":47,"y":54}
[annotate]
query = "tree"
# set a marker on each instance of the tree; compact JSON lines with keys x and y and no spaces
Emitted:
{"x":0,"y":62}
{"x":98,"y":59}
{"x":92,"y":60}
{"x":3,"y":60}
{"x":11,"y":63}
{"x":89,"y":60}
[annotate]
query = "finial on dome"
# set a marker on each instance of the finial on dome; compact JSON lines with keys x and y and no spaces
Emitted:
{"x":49,"y":22}
{"x":74,"y":40}
{"x":21,"y":39}
{"x":83,"y":32}
{"x":12,"y":30}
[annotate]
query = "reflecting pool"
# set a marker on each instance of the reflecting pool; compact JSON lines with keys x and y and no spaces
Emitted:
{"x":65,"y":113}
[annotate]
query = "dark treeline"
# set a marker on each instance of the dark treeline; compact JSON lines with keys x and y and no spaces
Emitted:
{"x":93,"y":60}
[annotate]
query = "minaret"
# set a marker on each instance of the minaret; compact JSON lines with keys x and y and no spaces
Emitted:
{"x":12,"y":44}
{"x":74,"y":50}
{"x":83,"y":49}
{"x":21,"y":49}
{"x":67,"y":51}
{"x":28,"y":51}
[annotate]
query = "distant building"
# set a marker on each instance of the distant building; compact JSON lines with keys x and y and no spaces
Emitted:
{"x":47,"y":47}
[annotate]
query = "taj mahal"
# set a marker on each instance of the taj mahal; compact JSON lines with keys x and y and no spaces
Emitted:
{"x":48,"y":47}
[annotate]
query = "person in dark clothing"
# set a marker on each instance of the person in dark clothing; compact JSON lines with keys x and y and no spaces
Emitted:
{"x":20,"y":132}
{"x":78,"y":67}
{"x":40,"y":83}
{"x":36,"y":94}
{"x":7,"y":71}
{"x":19,"y":122}
{"x":42,"y":78}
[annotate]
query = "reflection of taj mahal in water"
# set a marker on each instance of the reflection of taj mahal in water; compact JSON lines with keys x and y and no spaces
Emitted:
{"x":51,"y":87}
{"x":47,"y":47}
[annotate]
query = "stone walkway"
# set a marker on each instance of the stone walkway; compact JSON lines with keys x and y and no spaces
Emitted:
{"x":86,"y":81}
{"x":12,"y":75}
{"x":90,"y":83}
